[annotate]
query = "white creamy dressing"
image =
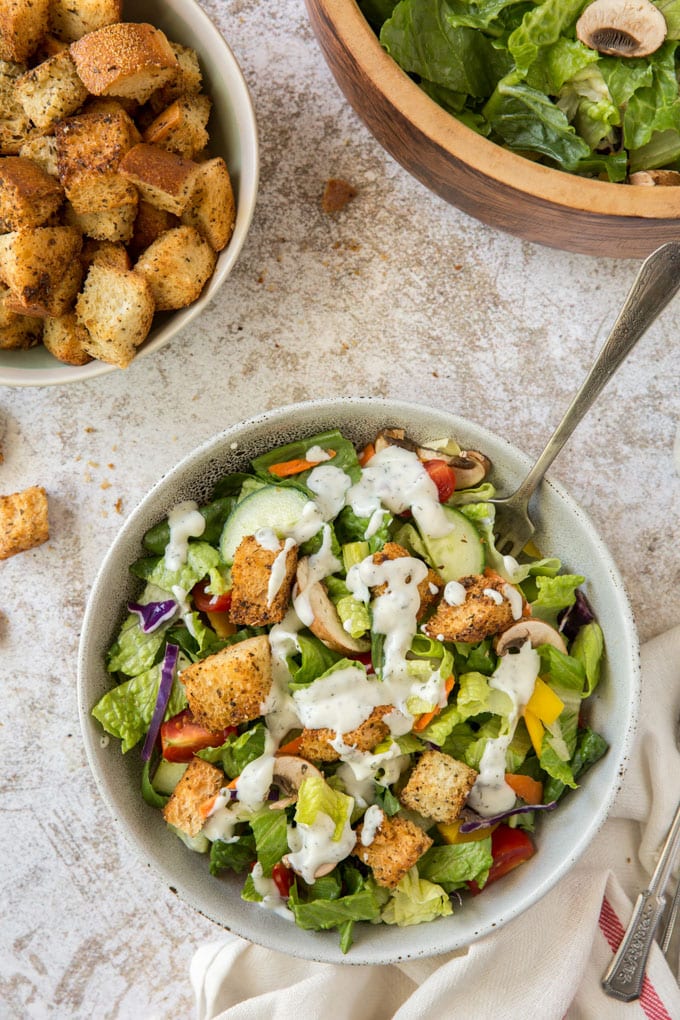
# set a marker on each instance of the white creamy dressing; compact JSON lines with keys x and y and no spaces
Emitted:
{"x":224,"y":816}
{"x":268,"y":539}
{"x":363,"y":790}
{"x":316,"y":454}
{"x":278,"y":571}
{"x":271,"y":897}
{"x":516,"y":676}
{"x":494,"y":595}
{"x":372,"y":821}
{"x":184,"y":606}
{"x":454,"y":593}
{"x":515,"y":599}
{"x":365,"y":765}
{"x":185,"y":522}
{"x":313,"y":846}
{"x":252,"y":786}
{"x":329,"y":485}
{"x":512,"y":569}
{"x":279,"y":709}
{"x":397,"y":479}
{"x":340,"y":702}
{"x":320,"y":564}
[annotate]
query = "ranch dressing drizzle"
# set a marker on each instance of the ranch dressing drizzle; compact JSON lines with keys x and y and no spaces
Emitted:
{"x":252,"y":786}
{"x":320,"y":565}
{"x":315,"y":454}
{"x":454,"y":593}
{"x":397,"y":479}
{"x":185,"y":609}
{"x":313,"y":846}
{"x":185,"y":522}
{"x":373,"y":819}
{"x":340,"y":702}
{"x":329,"y":485}
{"x":279,"y":709}
{"x":271,"y":897}
{"x":278,"y":571}
{"x":515,"y":676}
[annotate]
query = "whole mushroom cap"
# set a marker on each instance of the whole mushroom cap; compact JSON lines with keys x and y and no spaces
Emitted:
{"x":622,"y":28}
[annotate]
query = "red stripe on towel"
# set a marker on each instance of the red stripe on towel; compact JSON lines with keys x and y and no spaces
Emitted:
{"x":613,"y":931}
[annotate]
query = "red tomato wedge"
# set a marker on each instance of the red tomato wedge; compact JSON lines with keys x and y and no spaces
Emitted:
{"x":207,"y":603}
{"x":181,"y":737}
{"x":283,"y":879}
{"x":443,"y":476}
{"x":509,"y":848}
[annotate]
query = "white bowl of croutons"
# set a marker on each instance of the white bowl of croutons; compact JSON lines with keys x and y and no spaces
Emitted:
{"x":231,"y":494}
{"x":125,"y":196}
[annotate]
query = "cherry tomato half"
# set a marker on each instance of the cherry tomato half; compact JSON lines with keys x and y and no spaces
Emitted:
{"x":509,"y":848}
{"x":283,"y":879}
{"x":207,"y":603}
{"x":443,"y":476}
{"x":181,"y":737}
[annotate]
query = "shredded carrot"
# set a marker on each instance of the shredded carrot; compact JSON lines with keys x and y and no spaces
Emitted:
{"x":530,"y":790}
{"x":423,"y":720}
{"x":295,"y":467}
{"x":292,"y":747}
{"x":366,"y":454}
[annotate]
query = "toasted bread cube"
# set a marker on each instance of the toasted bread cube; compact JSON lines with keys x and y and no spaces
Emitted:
{"x":116,"y":308}
{"x":70,"y":20}
{"x":231,"y":686}
{"x":51,"y":91}
{"x":104,"y":193}
{"x":23,"y":521}
{"x":251,"y":573}
{"x":150,"y":223}
{"x":23,"y":26}
{"x":17,"y":332}
{"x":92,"y":144}
{"x":114,"y":224}
{"x":200,"y":783}
{"x":316,"y":745}
{"x":438,"y":786}
{"x":211,"y":209}
{"x":28,"y":195}
{"x":162,"y":178}
{"x":34,"y":260}
{"x":107,"y":253}
{"x":485,"y":611}
{"x":49,"y":47}
{"x":41,"y":149}
{"x":56,"y":300}
{"x":181,"y":127}
{"x":177,"y":266}
{"x":186,"y":82}
{"x":65,"y":339}
{"x":396,"y":847}
{"x":15,"y":126}
{"x":124,"y":59}
{"x":429,"y":589}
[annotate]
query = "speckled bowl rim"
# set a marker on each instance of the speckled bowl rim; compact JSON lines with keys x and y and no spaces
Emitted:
{"x":238,"y":142}
{"x":567,"y":833}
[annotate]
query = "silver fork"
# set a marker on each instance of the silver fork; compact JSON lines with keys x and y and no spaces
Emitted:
{"x":656,"y":283}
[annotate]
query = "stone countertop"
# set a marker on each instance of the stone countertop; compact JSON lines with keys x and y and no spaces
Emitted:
{"x":398,"y":295}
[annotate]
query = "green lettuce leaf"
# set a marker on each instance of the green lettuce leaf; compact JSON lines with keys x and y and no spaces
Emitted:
{"x":451,"y":866}
{"x":271,"y":841}
{"x":588,"y":648}
{"x":237,"y":856}
{"x":126,"y":711}
{"x":237,"y":751}
{"x":416,"y":900}
{"x":314,"y":796}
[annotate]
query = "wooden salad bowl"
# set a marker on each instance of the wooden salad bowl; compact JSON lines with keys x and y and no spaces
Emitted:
{"x":483,"y":179}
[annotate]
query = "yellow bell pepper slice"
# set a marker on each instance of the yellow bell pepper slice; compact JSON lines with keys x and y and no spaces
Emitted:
{"x":544,"y":703}
{"x":451,"y":833}
{"x":535,"y":728}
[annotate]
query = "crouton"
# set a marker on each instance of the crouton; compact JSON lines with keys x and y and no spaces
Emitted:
{"x":115,"y":224}
{"x":177,"y":266}
{"x":181,"y":127}
{"x":105,"y":193}
{"x":116,"y":308}
{"x":23,"y":521}
{"x":316,"y":744}
{"x":23,"y":26}
{"x":104,"y":253}
{"x":438,"y":786}
{"x":485,"y":611}
{"x":17,"y":332}
{"x":51,"y":91}
{"x":15,"y":126}
{"x":92,"y":144}
{"x":65,"y":338}
{"x":34,"y":261}
{"x":57,"y":299}
{"x":124,"y":59}
{"x":70,"y":20}
{"x":428,"y":596}
{"x":41,"y":149}
{"x":252,"y":572}
{"x":229,"y":687}
{"x":396,"y":847}
{"x":211,"y":208}
{"x":201,"y":782}
{"x":162,"y":178}
{"x":28,"y":195}
{"x":150,"y":223}
{"x":187,"y":80}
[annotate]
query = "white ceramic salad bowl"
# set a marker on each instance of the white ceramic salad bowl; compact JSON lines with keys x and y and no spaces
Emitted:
{"x":562,"y":837}
{"x":233,"y":135}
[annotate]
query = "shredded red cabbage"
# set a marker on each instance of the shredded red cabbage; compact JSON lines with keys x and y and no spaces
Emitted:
{"x":576,"y":616}
{"x":164,"y":688}
{"x":153,"y":614}
{"x":472,"y":821}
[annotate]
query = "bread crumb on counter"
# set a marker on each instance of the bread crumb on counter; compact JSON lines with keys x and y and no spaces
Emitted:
{"x":23,"y":521}
{"x":337,"y":193}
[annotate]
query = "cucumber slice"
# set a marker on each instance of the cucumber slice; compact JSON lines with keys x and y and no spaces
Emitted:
{"x":167,"y":775}
{"x":459,"y":553}
{"x":272,"y":507}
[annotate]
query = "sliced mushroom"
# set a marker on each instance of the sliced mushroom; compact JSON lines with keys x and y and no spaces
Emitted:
{"x":326,"y":623}
{"x":324,"y":869}
{"x":535,"y":631}
{"x":393,"y":437}
{"x":471,"y":468}
{"x":622,"y":28}
{"x":654,"y":178}
{"x":289,"y":771}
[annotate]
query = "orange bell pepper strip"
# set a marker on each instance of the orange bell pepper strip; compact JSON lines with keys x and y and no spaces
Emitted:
{"x":423,"y":720}
{"x":296,"y":466}
{"x":292,"y":747}
{"x":366,"y":454}
{"x":530,"y":790}
{"x":206,"y":807}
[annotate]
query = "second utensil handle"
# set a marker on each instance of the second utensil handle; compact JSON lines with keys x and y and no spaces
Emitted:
{"x":626,"y":973}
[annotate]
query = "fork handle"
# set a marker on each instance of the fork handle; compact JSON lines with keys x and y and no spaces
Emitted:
{"x":656,"y":283}
{"x":625,"y":975}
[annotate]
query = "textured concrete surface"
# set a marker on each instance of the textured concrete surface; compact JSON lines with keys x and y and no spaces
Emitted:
{"x":399,"y":295}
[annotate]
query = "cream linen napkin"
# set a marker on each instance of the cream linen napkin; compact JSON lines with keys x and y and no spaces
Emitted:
{"x":525,"y":969}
